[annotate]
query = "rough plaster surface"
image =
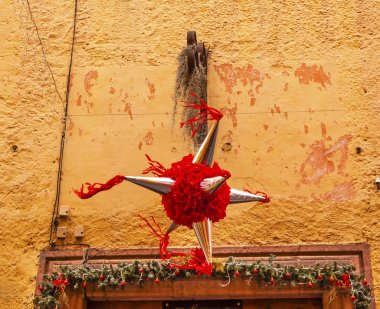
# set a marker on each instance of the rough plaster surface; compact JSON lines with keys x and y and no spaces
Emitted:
{"x":298,"y":83}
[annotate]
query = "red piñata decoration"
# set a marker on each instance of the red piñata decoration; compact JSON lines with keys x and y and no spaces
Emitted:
{"x":187,"y":203}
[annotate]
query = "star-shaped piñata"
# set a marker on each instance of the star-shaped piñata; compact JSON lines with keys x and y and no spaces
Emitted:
{"x":194,"y":190}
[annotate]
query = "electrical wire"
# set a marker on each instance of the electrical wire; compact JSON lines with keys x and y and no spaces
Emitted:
{"x":53,"y":224}
{"x":43,"y":50}
{"x":237,"y":113}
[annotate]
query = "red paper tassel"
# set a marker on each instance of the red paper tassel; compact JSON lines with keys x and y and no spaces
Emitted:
{"x":263,"y":194}
{"x":98,"y":187}
{"x":155,"y":167}
{"x":205,"y":113}
{"x":197,"y":261}
{"x":164,"y":238}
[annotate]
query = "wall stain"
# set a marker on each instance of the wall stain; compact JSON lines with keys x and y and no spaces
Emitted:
{"x":139,"y":146}
{"x":227,"y":138}
{"x":152,"y":89}
{"x":266,"y":126}
{"x":320,"y":160}
{"x":252,"y":95}
{"x":88,"y":78}
{"x":270,"y":149}
{"x":70,"y":127}
{"x":286,"y":87}
{"x":312,"y":73}
{"x":148,"y":138}
{"x":78,"y":101}
{"x":306,"y":129}
{"x":286,"y":115}
{"x":323,"y":128}
{"x":72,"y":75}
{"x":231,"y":114}
{"x":127,"y":106}
{"x":112,"y":90}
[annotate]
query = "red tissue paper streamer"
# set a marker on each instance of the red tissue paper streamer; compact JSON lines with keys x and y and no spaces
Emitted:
{"x":97,"y":187}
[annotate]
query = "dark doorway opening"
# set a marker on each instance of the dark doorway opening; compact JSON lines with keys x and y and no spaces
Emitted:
{"x":299,"y":303}
{"x":203,"y":304}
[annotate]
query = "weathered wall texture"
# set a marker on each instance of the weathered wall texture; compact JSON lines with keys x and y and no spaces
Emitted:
{"x":299,"y":85}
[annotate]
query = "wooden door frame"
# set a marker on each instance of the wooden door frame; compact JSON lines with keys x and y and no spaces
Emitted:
{"x":209,"y":288}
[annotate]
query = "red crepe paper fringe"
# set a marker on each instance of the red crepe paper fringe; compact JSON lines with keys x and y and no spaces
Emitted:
{"x":263,"y":194}
{"x":205,"y":113}
{"x":164,"y":238}
{"x":155,"y":167}
{"x":97,"y":187}
{"x":197,"y":261}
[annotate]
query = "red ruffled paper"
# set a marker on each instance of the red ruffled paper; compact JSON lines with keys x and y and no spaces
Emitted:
{"x":187,"y":203}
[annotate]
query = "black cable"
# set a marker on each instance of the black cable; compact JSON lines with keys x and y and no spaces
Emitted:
{"x":43,"y":50}
{"x":72,"y":244}
{"x":53,"y":224}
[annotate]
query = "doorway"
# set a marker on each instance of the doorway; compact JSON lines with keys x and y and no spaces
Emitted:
{"x":313,"y":303}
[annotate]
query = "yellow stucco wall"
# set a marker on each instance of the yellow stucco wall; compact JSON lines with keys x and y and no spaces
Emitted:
{"x":298,"y":82}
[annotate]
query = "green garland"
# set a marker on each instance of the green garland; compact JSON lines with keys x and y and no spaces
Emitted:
{"x":52,"y":288}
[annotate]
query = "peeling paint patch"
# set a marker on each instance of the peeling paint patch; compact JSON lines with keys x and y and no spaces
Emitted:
{"x":127,"y":106}
{"x":231,"y":114}
{"x":306,"y":129}
{"x":286,"y":87}
{"x":148,"y":138}
{"x":270,"y":149}
{"x":341,"y":192}
{"x":286,"y":115}
{"x":321,"y":161}
{"x":230,"y":75}
{"x":112,"y":90}
{"x":89,"y":77}
{"x":152,"y":89}
{"x":139,"y":145}
{"x":266,"y":126}
{"x":312,"y":73}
